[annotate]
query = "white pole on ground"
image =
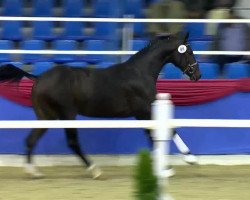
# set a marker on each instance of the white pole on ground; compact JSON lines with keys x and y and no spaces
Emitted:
{"x":162,"y":112}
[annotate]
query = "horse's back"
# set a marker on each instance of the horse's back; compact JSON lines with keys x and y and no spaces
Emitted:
{"x":57,"y":87}
{"x":91,"y":92}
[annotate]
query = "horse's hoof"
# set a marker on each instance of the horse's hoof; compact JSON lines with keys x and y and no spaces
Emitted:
{"x":32,"y":171}
{"x":169,"y":172}
{"x":190,"y":159}
{"x":95,"y":171}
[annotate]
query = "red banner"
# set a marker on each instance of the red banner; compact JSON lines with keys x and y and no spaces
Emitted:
{"x":183,"y":92}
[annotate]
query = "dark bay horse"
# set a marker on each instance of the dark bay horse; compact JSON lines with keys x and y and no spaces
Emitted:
{"x":121,"y":90}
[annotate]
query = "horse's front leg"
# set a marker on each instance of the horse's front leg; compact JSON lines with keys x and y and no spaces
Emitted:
{"x":169,"y":171}
{"x":183,"y":148}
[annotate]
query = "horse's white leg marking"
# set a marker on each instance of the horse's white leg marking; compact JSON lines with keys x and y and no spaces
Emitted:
{"x":95,"y":171}
{"x":188,"y":158}
{"x":169,"y":172}
{"x":182,"y":147}
{"x":33,"y":171}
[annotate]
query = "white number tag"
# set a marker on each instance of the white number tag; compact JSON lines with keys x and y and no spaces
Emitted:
{"x":182,"y":49}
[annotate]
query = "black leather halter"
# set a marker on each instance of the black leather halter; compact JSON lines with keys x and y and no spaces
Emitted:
{"x":191,"y":68}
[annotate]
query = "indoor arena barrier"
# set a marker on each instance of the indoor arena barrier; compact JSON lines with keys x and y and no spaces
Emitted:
{"x":161,"y":125}
{"x":162,"y":110}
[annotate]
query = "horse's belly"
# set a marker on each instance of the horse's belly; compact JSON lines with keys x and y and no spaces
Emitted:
{"x":106,"y":109}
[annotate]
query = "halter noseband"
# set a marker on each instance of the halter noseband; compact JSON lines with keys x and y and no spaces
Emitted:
{"x":191,"y":69}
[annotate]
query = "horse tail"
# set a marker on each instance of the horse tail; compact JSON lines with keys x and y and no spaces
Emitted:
{"x":13,"y":73}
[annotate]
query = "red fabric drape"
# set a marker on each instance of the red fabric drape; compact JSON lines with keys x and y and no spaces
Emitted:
{"x":17,"y":92}
{"x":183,"y":92}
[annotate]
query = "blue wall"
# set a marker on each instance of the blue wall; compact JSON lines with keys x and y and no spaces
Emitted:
{"x":127,"y":141}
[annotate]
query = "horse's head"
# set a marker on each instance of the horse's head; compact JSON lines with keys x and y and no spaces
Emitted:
{"x":179,"y":53}
{"x":183,"y":58}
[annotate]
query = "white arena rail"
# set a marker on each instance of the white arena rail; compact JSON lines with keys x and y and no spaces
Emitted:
{"x":123,"y":20}
{"x":221,"y":123}
{"x":8,"y":124}
{"x":52,"y":52}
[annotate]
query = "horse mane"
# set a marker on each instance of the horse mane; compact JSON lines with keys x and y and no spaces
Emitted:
{"x":152,"y":44}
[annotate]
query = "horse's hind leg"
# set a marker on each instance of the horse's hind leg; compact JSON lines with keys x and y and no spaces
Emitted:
{"x":33,"y":138}
{"x":68,"y":113}
{"x":73,"y":143}
{"x":31,"y":142}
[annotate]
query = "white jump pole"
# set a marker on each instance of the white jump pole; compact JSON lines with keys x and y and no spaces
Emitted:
{"x":162,"y":112}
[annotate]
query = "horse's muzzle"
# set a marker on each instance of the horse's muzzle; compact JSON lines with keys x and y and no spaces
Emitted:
{"x":192,"y":70}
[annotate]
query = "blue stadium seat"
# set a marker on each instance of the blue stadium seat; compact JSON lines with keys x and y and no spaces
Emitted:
{"x":107,"y":8}
{"x":5,"y":44}
{"x":196,"y":30}
{"x":77,"y":64}
{"x":73,"y":8}
{"x":68,"y":45}
{"x":105,"y":30}
{"x":43,"y":30}
{"x":12,"y":7}
{"x":139,"y":30}
{"x":236,"y":70}
{"x":104,"y":64}
{"x":134,"y":7}
{"x":209,"y":70}
{"x":95,"y":45}
{"x":42,"y":8}
{"x":200,"y":45}
{"x":138,"y":44}
{"x":33,"y":45}
{"x":73,"y":31}
{"x":12,"y":30}
{"x":41,"y":67}
{"x":169,"y":71}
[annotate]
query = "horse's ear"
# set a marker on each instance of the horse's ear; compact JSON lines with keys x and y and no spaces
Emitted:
{"x":186,"y":37}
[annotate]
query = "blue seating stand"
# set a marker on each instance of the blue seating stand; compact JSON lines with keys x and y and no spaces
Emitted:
{"x":66,"y":45}
{"x":209,"y":70}
{"x":169,"y":71}
{"x":33,"y":45}
{"x":41,"y":67}
{"x":236,"y":70}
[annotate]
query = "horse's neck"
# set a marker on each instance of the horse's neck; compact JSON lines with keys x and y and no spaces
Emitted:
{"x":151,"y":64}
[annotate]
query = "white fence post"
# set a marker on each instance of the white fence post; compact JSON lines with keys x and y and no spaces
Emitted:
{"x":162,"y":111}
